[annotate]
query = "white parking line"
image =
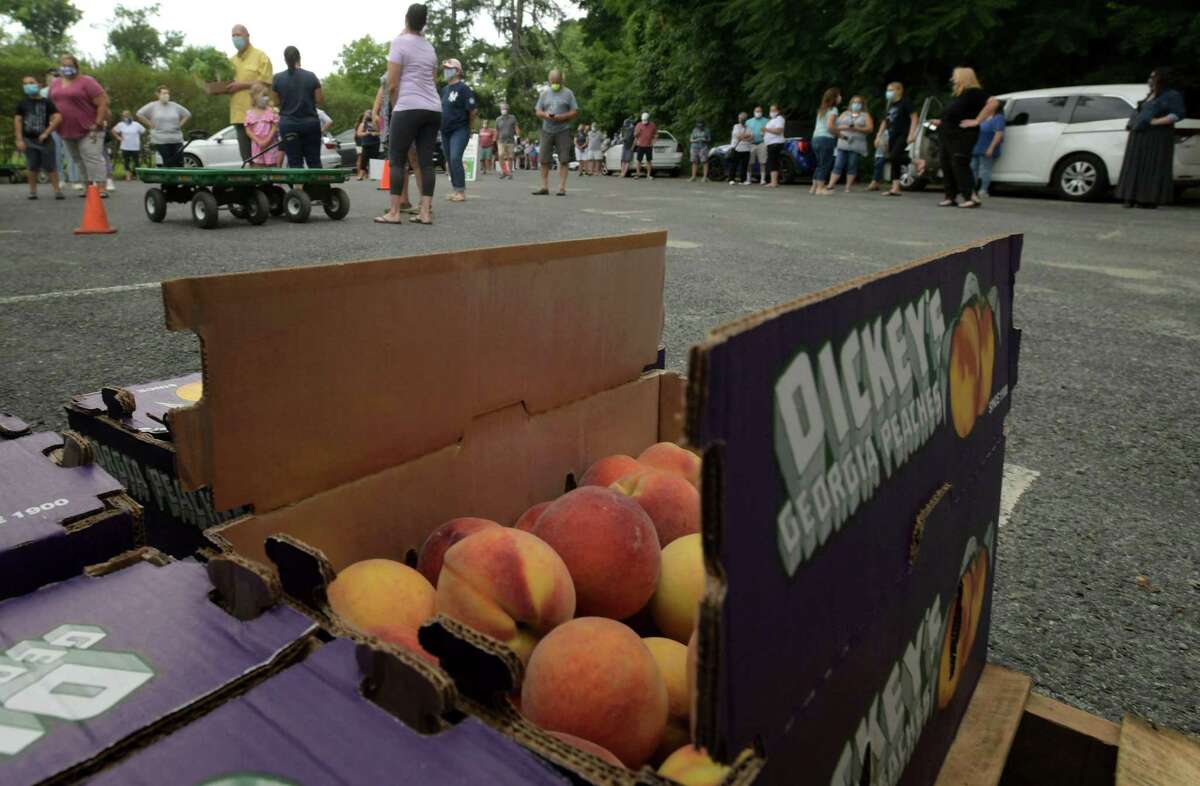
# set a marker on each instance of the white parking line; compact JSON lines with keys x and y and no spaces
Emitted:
{"x":1017,"y":480}
{"x":8,"y":301}
{"x":682,"y":244}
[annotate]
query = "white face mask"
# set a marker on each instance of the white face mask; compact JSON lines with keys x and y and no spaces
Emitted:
{"x":164,"y":97}
{"x":774,"y":113}
{"x":646,"y":117}
{"x":262,"y":101}
{"x":758,"y":113}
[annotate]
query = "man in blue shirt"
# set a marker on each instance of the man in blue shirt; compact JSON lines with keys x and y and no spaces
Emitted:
{"x":458,"y":115}
{"x":758,"y":152}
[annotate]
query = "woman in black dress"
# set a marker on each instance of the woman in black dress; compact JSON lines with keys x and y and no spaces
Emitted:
{"x":1147,"y":176}
{"x":958,"y":130}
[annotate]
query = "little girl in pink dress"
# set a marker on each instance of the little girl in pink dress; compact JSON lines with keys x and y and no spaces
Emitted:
{"x":262,"y":126}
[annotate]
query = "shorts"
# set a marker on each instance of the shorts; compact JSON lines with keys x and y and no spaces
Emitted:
{"x":626,"y":154}
{"x":504,"y":150}
{"x":40,"y":157}
{"x":699,"y":155}
{"x":645,"y":154}
{"x":485,"y":154}
{"x":595,"y":155}
{"x":556,"y":141}
{"x":758,"y":153}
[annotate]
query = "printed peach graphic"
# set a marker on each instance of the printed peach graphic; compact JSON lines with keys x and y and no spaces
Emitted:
{"x":429,"y":558}
{"x":669,"y":500}
{"x":987,"y":356}
{"x":670,"y":457}
{"x":529,"y":518}
{"x":609,"y":469}
{"x":506,"y":584}
{"x":964,"y":372}
{"x":381,"y":594}
{"x":691,"y":766}
{"x":962,"y":626}
{"x":594,"y":678}
{"x":680,"y":588}
{"x":586,"y":745}
{"x":610,"y":547}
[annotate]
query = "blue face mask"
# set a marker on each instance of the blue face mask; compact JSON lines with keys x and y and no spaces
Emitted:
{"x":31,"y":90}
{"x":68,"y":71}
{"x":890,"y":95}
{"x":239,"y":42}
{"x":856,"y":107}
{"x":449,"y":73}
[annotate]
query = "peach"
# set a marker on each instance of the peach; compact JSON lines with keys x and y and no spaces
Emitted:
{"x":609,"y":545}
{"x":429,"y":559}
{"x":530,"y":517}
{"x":594,"y":678}
{"x":692,"y":767}
{"x":506,"y":584}
{"x":403,"y":637}
{"x":672,"y":657}
{"x":607,"y":470}
{"x":379,"y":593}
{"x":676,"y":600}
{"x":987,"y":357}
{"x":964,"y":372}
{"x":671,"y":502}
{"x":586,"y":745}
{"x":670,"y":457}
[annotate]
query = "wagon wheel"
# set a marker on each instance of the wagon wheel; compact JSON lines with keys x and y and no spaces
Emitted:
{"x":297,"y":205}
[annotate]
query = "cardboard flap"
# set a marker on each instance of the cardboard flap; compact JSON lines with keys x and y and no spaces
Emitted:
{"x":317,"y":376}
{"x":827,"y":425}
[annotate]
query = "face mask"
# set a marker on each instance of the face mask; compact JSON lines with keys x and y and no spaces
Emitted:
{"x":164,"y":97}
{"x":68,"y":71}
{"x":503,"y":110}
{"x":31,"y":90}
{"x":262,"y":101}
{"x":890,"y":95}
{"x":856,"y":107}
{"x":757,"y":114}
{"x":449,"y":73}
{"x":774,"y":113}
{"x":239,"y":42}
{"x":555,"y":86}
{"x":126,"y":119}
{"x":700,"y":125}
{"x":645,"y":117}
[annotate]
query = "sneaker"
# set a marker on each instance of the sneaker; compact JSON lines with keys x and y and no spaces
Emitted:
{"x":733,"y":182}
{"x":77,"y":186}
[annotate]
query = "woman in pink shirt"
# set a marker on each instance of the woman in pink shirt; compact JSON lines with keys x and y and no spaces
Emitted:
{"x":83,"y":105}
{"x":416,"y":113}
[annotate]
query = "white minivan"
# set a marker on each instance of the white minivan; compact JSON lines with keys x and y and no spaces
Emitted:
{"x":1072,"y":140}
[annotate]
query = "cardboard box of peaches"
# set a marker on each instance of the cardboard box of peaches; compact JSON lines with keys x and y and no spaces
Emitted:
{"x":775,"y":570}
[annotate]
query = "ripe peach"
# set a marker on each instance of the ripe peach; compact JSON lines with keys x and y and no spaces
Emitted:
{"x":964,"y":372}
{"x":586,"y":745}
{"x":692,"y":767}
{"x":671,"y":657}
{"x":506,"y":584}
{"x":670,"y":457}
{"x":594,"y":678}
{"x":607,"y":470}
{"x":987,"y":357}
{"x":962,"y":625}
{"x":530,"y":517}
{"x":377,"y":593}
{"x":671,"y":502}
{"x":429,"y":559}
{"x":609,"y":545}
{"x":680,"y":588}
{"x":405,"y":638}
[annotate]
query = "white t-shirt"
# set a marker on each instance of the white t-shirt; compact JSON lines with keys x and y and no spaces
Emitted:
{"x":131,"y":135}
{"x":740,"y":145}
{"x":773,"y":131}
{"x":324,"y":118}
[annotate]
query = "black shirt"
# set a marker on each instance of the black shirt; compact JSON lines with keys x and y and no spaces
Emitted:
{"x":899,"y":121}
{"x":964,"y":107}
{"x":297,"y":93}
{"x":35,"y":114}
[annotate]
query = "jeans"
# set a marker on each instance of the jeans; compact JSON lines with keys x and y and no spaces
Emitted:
{"x":306,"y":147}
{"x":981,"y":168}
{"x":454,"y":142}
{"x":823,"y":147}
{"x":846,"y":162}
{"x":171,"y":152}
{"x":877,"y":175}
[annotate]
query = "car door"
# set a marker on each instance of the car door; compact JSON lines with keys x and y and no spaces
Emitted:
{"x":666,"y":150}
{"x":1031,"y":138}
{"x":1097,"y":126}
{"x":221,"y":149}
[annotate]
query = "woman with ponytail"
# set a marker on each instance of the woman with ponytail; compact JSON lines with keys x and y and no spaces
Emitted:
{"x":299,"y":92}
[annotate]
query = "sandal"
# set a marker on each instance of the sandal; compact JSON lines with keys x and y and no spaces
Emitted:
{"x":385,"y":220}
{"x":947,"y":203}
{"x":970,"y":203}
{"x":892,"y":193}
{"x":560,"y":193}
{"x":419,"y":220}
{"x":542,"y":192}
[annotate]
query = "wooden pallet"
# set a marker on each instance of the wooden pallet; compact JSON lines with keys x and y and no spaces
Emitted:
{"x":1012,"y":736}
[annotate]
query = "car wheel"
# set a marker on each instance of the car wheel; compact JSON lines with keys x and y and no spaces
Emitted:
{"x":191,"y":160}
{"x":257,"y":208}
{"x":297,"y":205}
{"x":1080,"y":177}
{"x":155,"y":204}
{"x":337,"y":205}
{"x":204,"y":210}
{"x":716,"y":169}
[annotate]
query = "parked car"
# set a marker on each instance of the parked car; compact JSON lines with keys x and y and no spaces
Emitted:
{"x":346,"y":148}
{"x":667,"y":156}
{"x":1068,"y":139}
{"x":221,"y":150}
{"x":798,"y":162}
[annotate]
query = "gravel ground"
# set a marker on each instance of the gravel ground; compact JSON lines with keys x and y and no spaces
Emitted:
{"x":1098,"y":587}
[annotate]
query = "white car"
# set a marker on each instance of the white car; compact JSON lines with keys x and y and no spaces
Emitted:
{"x":221,"y":150}
{"x":667,"y":156}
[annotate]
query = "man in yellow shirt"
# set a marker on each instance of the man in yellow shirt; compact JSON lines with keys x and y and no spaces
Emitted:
{"x":250,"y":66}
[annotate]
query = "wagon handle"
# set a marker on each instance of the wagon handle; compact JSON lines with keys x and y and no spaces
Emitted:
{"x":269,"y":148}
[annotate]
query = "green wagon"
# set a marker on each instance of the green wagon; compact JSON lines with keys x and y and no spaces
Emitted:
{"x":250,"y":194}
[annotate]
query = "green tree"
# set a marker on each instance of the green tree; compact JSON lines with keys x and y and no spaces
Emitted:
{"x":206,"y":63}
{"x":450,"y":22}
{"x":132,"y":35}
{"x":361,"y":62}
{"x":46,"y":21}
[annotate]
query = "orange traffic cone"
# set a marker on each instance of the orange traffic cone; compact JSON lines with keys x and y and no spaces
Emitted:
{"x":95,"y":220}
{"x":385,"y":182}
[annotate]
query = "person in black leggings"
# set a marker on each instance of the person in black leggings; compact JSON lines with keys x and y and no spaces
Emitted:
{"x":416,"y":114}
{"x":299,"y":92}
{"x":958,"y":130}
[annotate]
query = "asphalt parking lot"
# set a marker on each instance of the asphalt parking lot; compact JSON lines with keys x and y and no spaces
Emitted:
{"x":1098,"y":584}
